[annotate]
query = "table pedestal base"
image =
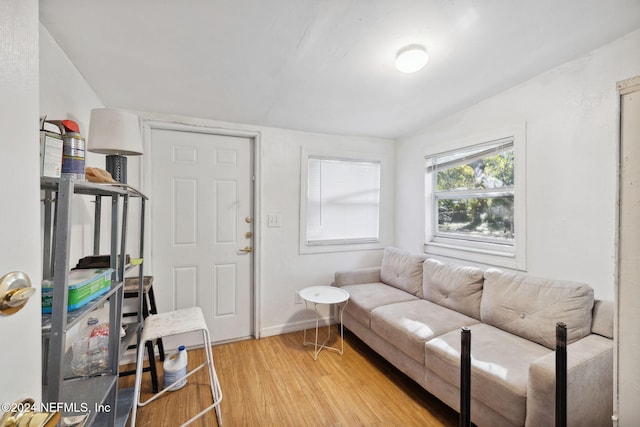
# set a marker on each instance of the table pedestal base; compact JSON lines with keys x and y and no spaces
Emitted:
{"x":324,"y":345}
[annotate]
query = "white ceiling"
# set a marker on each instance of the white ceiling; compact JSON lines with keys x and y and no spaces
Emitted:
{"x":322,"y":65}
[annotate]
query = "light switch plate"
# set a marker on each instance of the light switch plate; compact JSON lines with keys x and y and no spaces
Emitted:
{"x":274,"y":220}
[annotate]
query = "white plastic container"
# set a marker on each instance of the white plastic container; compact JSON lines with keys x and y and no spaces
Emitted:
{"x":175,"y":367}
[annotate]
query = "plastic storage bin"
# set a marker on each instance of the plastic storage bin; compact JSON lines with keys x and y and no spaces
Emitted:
{"x":84,"y":285}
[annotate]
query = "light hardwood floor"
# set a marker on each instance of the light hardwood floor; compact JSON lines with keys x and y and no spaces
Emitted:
{"x":274,"y":381}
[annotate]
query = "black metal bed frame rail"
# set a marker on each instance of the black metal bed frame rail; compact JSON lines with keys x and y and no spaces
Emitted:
{"x":465,"y":378}
{"x":561,"y":376}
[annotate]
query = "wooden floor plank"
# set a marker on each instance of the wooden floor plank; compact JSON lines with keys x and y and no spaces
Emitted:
{"x":274,"y":381}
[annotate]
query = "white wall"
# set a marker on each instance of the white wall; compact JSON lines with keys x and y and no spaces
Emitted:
{"x":65,"y":94}
{"x":571,"y":114}
{"x":20,"y":356}
{"x":284,"y":269}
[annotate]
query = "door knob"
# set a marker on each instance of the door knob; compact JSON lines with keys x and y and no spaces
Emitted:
{"x":16,"y":297}
{"x":246,"y":249}
{"x":15,"y":290}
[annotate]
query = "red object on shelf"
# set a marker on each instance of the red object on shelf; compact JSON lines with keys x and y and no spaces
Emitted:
{"x":71,"y":126}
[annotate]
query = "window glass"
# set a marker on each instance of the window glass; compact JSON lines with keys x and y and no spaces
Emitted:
{"x":477,"y":217}
{"x":473,"y":192}
{"x":489,"y":172}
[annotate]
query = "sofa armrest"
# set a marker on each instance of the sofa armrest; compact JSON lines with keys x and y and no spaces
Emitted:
{"x":589,"y":385}
{"x":357,"y":276}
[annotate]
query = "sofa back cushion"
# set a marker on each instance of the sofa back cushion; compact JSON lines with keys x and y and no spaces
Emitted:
{"x":402,"y":270}
{"x":531,"y":306}
{"x":603,"y":318}
{"x":453,"y":286}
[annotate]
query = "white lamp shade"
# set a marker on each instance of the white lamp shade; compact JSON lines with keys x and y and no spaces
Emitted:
{"x":114,"y":132}
{"x":411,"y":58}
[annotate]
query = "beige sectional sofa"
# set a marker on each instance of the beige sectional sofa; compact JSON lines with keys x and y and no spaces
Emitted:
{"x":411,"y":309}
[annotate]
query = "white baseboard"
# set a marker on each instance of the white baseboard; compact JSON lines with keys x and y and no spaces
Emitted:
{"x":294,"y":327}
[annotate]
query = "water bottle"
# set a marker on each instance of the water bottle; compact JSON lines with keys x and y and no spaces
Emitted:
{"x":99,"y":347}
{"x":90,"y":349}
{"x":175,"y":367}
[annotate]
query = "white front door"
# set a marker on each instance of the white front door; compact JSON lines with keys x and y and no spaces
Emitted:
{"x":20,"y":355}
{"x":202,"y":227}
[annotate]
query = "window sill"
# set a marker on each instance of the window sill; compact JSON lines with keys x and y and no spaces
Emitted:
{"x":497,"y":257}
{"x":320,"y":249}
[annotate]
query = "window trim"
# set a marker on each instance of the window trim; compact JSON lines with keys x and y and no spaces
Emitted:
{"x":478,"y":152}
{"x":479,"y":250}
{"x":385,"y":216}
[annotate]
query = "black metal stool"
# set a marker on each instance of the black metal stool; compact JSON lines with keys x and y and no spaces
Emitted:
{"x":131,"y":287}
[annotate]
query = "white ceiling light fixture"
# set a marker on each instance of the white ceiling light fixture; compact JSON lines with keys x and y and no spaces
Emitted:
{"x":411,"y":58}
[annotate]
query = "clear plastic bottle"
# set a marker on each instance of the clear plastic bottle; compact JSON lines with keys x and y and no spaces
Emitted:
{"x":99,"y":347}
{"x":90,"y":349}
{"x":80,"y":364}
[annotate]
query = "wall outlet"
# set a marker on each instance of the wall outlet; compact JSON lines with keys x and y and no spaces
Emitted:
{"x":298,"y":298}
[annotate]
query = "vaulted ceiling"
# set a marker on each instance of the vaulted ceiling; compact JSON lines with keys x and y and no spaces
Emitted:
{"x":322,"y":65}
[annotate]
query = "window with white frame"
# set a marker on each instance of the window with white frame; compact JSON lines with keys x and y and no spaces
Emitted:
{"x":473,"y":206}
{"x":342,"y":201}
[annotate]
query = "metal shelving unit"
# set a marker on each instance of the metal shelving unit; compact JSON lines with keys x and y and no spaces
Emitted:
{"x":97,"y":394}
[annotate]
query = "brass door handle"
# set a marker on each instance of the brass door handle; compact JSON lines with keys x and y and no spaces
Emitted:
{"x":247,"y":249}
{"x":15,"y":290}
{"x":16,"y":297}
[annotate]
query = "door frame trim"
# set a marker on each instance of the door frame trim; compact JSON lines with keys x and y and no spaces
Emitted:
{"x":203,"y":126}
{"x":624,"y":87}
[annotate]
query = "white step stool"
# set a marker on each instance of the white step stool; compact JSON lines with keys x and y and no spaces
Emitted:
{"x":174,"y":323}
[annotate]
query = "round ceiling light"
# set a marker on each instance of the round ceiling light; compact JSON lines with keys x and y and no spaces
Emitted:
{"x":411,"y":58}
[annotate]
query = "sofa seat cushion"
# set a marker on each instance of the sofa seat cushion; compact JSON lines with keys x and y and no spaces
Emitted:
{"x":531,"y":306}
{"x":408,"y":325}
{"x":367,"y":296}
{"x":402,"y":270}
{"x":499,"y":367}
{"x":453,"y":286}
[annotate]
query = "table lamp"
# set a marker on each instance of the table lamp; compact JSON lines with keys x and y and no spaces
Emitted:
{"x":117,"y":134}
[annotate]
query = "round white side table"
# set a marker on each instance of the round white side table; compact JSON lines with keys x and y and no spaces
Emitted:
{"x":324,"y":295}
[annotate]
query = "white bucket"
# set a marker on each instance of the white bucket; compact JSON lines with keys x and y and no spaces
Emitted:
{"x":175,"y":367}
